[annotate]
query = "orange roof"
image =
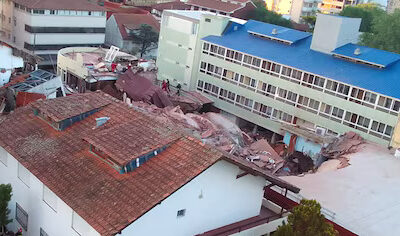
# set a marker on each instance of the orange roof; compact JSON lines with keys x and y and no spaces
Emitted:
{"x":133,"y":21}
{"x":107,"y":200}
{"x":78,"y":5}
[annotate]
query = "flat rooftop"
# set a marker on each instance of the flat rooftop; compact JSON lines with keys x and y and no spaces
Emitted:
{"x":364,"y":195}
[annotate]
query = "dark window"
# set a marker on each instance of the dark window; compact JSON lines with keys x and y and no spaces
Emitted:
{"x":208,"y":20}
{"x":181,"y":213}
{"x":31,"y":29}
{"x":56,"y":46}
{"x":21,"y":216}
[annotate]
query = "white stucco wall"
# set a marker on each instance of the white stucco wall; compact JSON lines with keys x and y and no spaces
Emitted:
{"x":213,"y":199}
{"x":113,"y":36}
{"x":40,"y":215}
{"x":22,"y":18}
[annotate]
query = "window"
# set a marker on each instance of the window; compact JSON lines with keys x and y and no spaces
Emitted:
{"x":208,"y":20}
{"x":382,"y":128}
{"x":385,"y":102}
{"x":52,"y":12}
{"x":36,"y":11}
{"x":200,"y":84}
{"x":337,"y":112}
{"x":3,"y":156}
{"x":370,"y":97}
{"x":21,"y":216}
{"x":50,"y":198}
{"x":23,"y":174}
{"x":364,"y":122}
{"x":42,"y":232}
{"x":331,"y":85}
{"x":181,"y":213}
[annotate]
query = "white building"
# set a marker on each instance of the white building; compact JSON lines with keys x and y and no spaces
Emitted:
{"x":67,"y":181}
{"x":120,"y":30}
{"x":6,"y":15}
{"x":303,"y":8}
{"x":45,"y":26}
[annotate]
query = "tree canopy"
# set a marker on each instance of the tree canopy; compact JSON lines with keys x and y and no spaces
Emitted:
{"x":146,"y":37}
{"x":367,"y":12}
{"x":306,"y":220}
{"x":385,"y":33}
{"x":260,"y":13}
{"x":5,"y":197}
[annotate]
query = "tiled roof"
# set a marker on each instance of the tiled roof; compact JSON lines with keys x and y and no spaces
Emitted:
{"x":133,"y":21}
{"x":78,"y":5}
{"x":107,"y":200}
{"x":384,"y":81}
{"x":177,"y":5}
{"x":125,"y":142}
{"x":70,"y":106}
{"x":218,"y":5}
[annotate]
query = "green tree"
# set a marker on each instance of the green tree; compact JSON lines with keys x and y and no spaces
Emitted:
{"x":310,"y":21}
{"x":306,"y":220}
{"x":146,"y":37}
{"x":5,"y":197}
{"x":260,"y":13}
{"x":385,"y":33}
{"x":367,"y":12}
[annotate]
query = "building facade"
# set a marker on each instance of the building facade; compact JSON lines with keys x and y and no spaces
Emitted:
{"x":45,"y":28}
{"x":335,"y":6}
{"x":392,"y":5}
{"x":120,"y":30}
{"x":324,"y":84}
{"x":303,"y":8}
{"x":6,"y":16}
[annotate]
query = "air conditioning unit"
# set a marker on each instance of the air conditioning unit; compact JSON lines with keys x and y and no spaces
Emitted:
{"x":320,"y":131}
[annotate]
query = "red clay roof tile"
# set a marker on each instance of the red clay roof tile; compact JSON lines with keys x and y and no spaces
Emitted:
{"x":94,"y":190}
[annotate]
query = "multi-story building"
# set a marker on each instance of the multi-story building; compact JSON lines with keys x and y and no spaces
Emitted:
{"x":392,"y":5}
{"x":335,"y":6}
{"x":6,"y":16}
{"x":293,"y":9}
{"x":282,"y":79}
{"x":45,"y":26}
{"x":75,"y":173}
{"x":235,"y":8}
{"x":303,"y":8}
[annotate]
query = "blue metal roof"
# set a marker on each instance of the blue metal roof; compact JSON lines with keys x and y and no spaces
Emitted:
{"x":371,"y":55}
{"x":282,"y":33}
{"x":299,"y":55}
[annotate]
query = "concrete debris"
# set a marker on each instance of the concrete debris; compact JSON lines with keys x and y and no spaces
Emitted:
{"x":214,"y":129}
{"x":345,"y":144}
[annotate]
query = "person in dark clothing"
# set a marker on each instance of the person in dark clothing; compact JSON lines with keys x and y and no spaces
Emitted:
{"x":178,"y":92}
{"x":168,"y":90}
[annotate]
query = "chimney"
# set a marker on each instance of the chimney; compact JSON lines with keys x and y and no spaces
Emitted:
{"x":333,"y":31}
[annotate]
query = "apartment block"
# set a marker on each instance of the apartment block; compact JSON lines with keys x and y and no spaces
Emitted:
{"x":43,"y":27}
{"x":286,"y":80}
{"x":392,"y":5}
{"x":335,"y":6}
{"x":293,"y":9}
{"x":6,"y":16}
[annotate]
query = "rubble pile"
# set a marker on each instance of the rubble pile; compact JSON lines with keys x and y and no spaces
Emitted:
{"x":345,"y":144}
{"x":214,"y":129}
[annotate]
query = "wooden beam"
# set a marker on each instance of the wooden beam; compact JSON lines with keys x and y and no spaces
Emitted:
{"x":241,"y":175}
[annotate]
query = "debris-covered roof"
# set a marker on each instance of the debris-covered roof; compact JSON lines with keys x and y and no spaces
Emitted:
{"x":35,"y":78}
{"x":107,"y":200}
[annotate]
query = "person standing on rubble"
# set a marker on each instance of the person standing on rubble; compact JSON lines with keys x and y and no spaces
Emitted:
{"x":164,"y":86}
{"x":168,"y":90}
{"x":178,"y":92}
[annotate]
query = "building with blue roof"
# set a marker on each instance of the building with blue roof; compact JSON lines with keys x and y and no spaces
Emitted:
{"x":293,"y":82}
